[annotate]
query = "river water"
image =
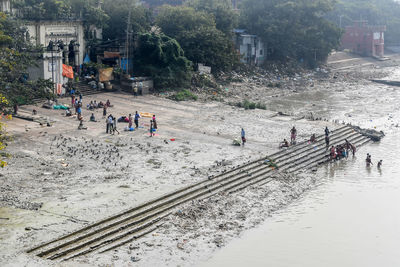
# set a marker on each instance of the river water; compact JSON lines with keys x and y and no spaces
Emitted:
{"x":352,"y":216}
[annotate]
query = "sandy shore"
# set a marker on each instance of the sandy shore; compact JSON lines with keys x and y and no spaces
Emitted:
{"x":61,"y":178}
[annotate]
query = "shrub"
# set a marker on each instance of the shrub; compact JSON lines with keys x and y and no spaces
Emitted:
{"x":183,"y":95}
{"x":260,"y":105}
{"x":246,"y":104}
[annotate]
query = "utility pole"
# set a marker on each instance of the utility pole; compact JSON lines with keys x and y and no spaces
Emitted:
{"x":340,"y":21}
{"x":128,"y":37}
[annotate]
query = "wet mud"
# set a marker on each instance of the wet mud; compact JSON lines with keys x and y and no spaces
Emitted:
{"x":60,"y":178}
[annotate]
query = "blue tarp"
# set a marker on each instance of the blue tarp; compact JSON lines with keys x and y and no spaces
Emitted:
{"x":124,"y":62}
{"x":86,"y":59}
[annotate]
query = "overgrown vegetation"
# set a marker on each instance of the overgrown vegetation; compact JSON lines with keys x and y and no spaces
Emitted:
{"x":183,"y":95}
{"x":197,"y":33}
{"x":118,"y":11}
{"x":246,"y":104}
{"x":292,"y":29}
{"x":162,"y":58}
{"x":16,"y":55}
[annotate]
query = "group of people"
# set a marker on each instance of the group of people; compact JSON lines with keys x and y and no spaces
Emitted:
{"x":111,"y":124}
{"x":368,"y":161}
{"x":336,"y":152}
{"x":293,"y":135}
{"x":340,"y":151}
{"x":93,"y":105}
{"x":135,"y":119}
{"x":137,"y":88}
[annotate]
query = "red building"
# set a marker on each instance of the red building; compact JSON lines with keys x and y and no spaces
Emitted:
{"x":364,"y":39}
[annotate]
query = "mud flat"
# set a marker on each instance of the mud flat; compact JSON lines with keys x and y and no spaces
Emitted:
{"x":61,"y":178}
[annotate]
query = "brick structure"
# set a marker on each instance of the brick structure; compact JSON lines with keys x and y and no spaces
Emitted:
{"x":364,"y":39}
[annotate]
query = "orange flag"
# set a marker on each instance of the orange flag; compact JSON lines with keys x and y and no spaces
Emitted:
{"x":68,"y":71}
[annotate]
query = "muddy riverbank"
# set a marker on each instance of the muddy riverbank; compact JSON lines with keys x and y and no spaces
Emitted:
{"x":61,"y":178}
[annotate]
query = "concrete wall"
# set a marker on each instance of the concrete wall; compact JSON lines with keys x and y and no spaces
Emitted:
{"x":49,"y":67}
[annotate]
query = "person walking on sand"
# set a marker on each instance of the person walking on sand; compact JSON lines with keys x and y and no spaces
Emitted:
{"x":115,"y":125}
{"x":154,"y":122}
{"x":327,"y":132}
{"x":243,"y":134}
{"x":293,"y":133}
{"x":130,"y":121}
{"x":137,"y":116}
{"x":151,"y":128}
{"x":109,"y":124}
{"x":104,"y":111}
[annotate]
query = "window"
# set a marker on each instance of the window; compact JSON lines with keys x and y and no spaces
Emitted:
{"x":261,"y":52}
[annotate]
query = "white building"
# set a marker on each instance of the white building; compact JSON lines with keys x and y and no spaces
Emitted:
{"x":250,"y":47}
{"x":5,"y":6}
{"x":42,"y":32}
{"x":70,"y":32}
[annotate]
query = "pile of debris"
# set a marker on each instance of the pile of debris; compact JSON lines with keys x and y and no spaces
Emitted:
{"x":372,"y":134}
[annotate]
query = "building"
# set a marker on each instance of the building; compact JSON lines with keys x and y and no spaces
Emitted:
{"x":65,"y":41}
{"x":364,"y":39}
{"x":70,"y":33}
{"x":250,"y":47}
{"x":5,"y":6}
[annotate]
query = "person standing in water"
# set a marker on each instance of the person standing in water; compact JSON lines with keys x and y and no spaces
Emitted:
{"x":379,"y":164}
{"x":368,"y":160}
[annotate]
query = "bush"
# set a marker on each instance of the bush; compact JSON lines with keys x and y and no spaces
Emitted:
{"x":260,"y":105}
{"x":183,"y":95}
{"x":246,"y":104}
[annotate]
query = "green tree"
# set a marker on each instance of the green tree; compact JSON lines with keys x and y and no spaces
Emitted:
{"x":87,"y":10}
{"x":198,"y":36}
{"x":162,"y":58}
{"x":225,"y":17}
{"x":292,"y":29}
{"x":16,"y":55}
{"x":118,"y":11}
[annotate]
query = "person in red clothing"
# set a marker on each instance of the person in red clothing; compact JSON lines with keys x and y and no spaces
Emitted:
{"x":154,"y":122}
